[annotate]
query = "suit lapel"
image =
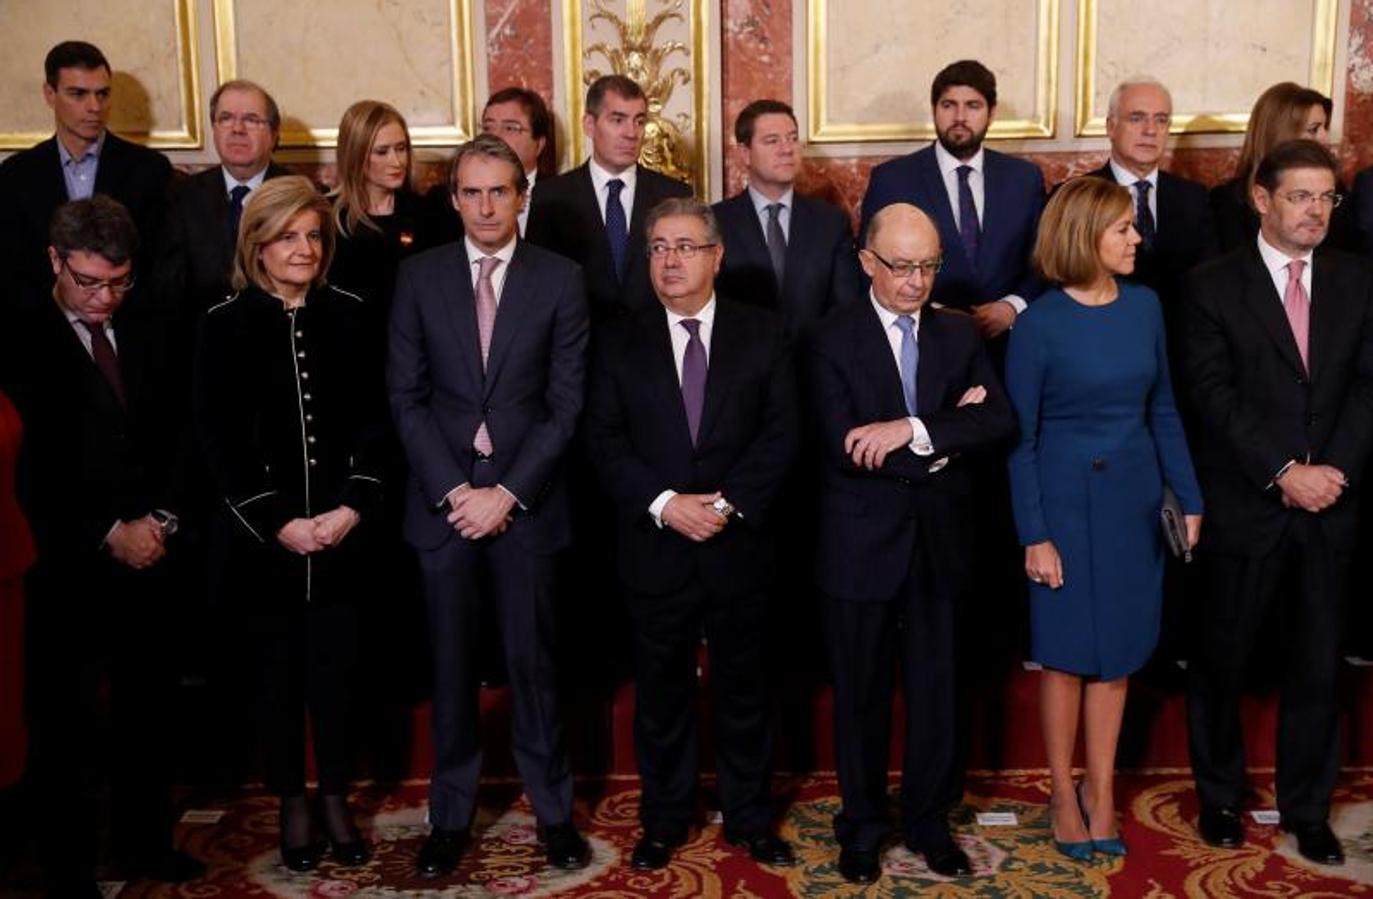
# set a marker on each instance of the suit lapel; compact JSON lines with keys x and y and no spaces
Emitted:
{"x":1264,"y":303}
{"x":591,"y":203}
{"x":800,"y":245}
{"x":1327,"y":313}
{"x":726,"y":351}
{"x":516,"y":294}
{"x":460,"y":306}
{"x":109,"y":170}
{"x":55,"y":180}
{"x":660,"y":369}
{"x":872,"y":343}
{"x":927,"y":387}
{"x":932,"y":185}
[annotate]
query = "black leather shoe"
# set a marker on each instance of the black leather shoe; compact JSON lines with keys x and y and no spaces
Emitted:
{"x":567,"y":849}
{"x":1317,"y":843}
{"x":441,"y":852}
{"x":352,"y":853}
{"x":302,"y":859}
{"x":947,"y":860}
{"x":1221,"y":827}
{"x":860,"y":865}
{"x":651,"y":854}
{"x":764,"y":848}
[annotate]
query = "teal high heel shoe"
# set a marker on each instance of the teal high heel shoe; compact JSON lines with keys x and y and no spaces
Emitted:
{"x":1080,"y":851}
{"x":1113,"y":846}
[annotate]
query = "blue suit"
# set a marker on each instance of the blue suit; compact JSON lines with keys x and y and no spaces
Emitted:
{"x":1012,"y":201}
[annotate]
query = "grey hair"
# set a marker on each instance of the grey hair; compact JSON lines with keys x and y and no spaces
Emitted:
{"x":674,"y":206}
{"x":1113,"y":105}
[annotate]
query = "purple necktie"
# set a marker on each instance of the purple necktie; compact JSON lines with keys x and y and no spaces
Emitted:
{"x":969,"y":230}
{"x":486,"y":323}
{"x":693,"y":376}
{"x":616,"y":228}
{"x":102,"y":351}
{"x":1298,"y":305}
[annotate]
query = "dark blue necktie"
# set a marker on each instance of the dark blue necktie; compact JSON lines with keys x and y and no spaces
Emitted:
{"x":616,"y":229}
{"x":969,"y":229}
{"x":910,"y":361}
{"x":1144,"y":217}
{"x":693,"y":376}
{"x":236,"y":197}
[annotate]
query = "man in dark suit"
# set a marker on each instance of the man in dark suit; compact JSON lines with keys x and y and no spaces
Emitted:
{"x":900,"y":392}
{"x":82,"y":158}
{"x":594,"y":214}
{"x":783,"y":251}
{"x":98,"y":478}
{"x":487,"y":363}
{"x":1280,"y":359}
{"x":986,"y":204}
{"x":203,"y":211}
{"x":692,"y":465}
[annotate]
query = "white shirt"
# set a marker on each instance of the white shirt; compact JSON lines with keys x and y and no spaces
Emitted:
{"x":948,"y":168}
{"x":761,"y":204}
{"x":504,"y":254}
{"x":1128,"y":178}
{"x":1276,"y":260}
{"x":680,"y":337}
{"x":85,"y":336}
{"x":253,"y":183}
{"x":920,"y":443}
{"x":600,"y":178}
{"x":523,"y":217}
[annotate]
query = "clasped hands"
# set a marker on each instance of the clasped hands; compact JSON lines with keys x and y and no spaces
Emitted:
{"x":694,"y":516}
{"x":1313,"y":488}
{"x":303,"y":536}
{"x":138,"y":544}
{"x":477,"y":512}
{"x":869,"y":445}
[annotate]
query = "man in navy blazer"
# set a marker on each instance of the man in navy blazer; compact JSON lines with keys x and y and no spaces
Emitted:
{"x":487,"y":360}
{"x":901,"y":391}
{"x":578,"y":213}
{"x":80,"y":159}
{"x":783,"y":251}
{"x":691,"y":421}
{"x":986,"y":204}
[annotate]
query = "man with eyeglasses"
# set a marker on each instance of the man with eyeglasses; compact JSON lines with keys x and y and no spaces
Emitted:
{"x":82,"y":158}
{"x":903,"y":392}
{"x":1279,"y":357}
{"x":100,"y":482}
{"x":519,"y":117}
{"x":203,"y":211}
{"x":692,"y":424}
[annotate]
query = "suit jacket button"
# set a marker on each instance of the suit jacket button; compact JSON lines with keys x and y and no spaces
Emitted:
{"x":486,"y":410}
{"x":1098,"y":465}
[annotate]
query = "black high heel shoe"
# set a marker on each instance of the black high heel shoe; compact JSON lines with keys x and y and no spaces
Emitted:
{"x":347,"y":846}
{"x":300,"y":850}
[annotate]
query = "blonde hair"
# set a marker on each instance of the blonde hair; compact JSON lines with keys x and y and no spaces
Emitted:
{"x":357,"y":132}
{"x":1278,"y":115}
{"x":1070,"y":230}
{"x":267,"y":214}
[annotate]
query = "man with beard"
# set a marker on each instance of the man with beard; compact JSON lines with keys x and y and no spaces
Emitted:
{"x":986,"y":204}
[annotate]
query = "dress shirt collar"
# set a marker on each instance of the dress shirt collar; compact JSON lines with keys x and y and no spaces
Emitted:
{"x":92,"y":152}
{"x":504,"y":254}
{"x":888,"y":317}
{"x":600,"y":177}
{"x":761,"y":203}
{"x":532,"y":175}
{"x":706,"y":316}
{"x":1276,"y":260}
{"x":949,"y":163}
{"x":253,"y":183}
{"x":1128,"y":178}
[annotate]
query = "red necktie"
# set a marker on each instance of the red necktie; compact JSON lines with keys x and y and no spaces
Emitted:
{"x":105,"y":359}
{"x":1298,"y":305}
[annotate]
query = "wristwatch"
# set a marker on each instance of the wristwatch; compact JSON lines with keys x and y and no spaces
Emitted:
{"x":165,"y":520}
{"x":724,"y":507}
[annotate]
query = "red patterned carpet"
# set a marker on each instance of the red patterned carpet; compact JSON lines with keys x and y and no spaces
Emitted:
{"x":1167,"y":859}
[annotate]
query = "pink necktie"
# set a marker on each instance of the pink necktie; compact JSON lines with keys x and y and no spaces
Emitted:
{"x":486,"y":322}
{"x":1298,"y":306}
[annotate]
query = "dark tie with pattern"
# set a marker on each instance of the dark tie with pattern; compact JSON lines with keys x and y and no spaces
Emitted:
{"x":969,"y":229}
{"x":616,"y":229}
{"x":777,"y":241}
{"x":1144,"y":217}
{"x":102,"y":351}
{"x":236,"y":198}
{"x":693,"y":376}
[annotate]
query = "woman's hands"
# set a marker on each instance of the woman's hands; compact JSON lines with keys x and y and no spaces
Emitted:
{"x":1043,"y":565}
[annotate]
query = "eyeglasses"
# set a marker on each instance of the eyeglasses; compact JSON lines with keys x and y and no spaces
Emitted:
{"x":1304,"y":198}
{"x":684,"y":250}
{"x":92,"y":286}
{"x":510,"y":129}
{"x":1160,"y":119}
{"x":903,"y":270}
{"x":250,"y":121}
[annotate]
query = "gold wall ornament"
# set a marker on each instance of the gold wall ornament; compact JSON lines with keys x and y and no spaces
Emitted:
{"x":642,"y":46}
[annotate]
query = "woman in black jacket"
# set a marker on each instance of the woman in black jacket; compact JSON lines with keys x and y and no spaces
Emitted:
{"x":291,"y":411}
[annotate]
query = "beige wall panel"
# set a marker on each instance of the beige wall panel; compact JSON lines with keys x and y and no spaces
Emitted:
{"x":1180,"y":41}
{"x":319,"y":56}
{"x":872,"y":63}
{"x":149,"y":43}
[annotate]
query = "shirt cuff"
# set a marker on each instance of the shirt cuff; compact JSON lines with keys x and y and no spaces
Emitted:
{"x":1016,"y":302}
{"x":1273,"y":482}
{"x":106,"y":542}
{"x":655,"y":508}
{"x":920,"y":443}
{"x":511,"y":494}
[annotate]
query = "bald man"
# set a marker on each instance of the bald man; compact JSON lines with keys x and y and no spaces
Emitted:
{"x":901,"y":392}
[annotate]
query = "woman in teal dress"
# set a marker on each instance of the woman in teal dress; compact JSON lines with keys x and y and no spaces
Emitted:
{"x":1087,"y":373}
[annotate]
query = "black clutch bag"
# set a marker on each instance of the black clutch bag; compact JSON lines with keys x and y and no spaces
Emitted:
{"x":1174,"y":525}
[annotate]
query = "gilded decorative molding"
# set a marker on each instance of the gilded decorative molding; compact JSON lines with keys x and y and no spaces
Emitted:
{"x":1091,"y":122}
{"x":674,"y":144}
{"x":822,"y":128}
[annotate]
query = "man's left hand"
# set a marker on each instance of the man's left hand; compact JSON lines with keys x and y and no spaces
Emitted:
{"x":868,"y":445}
{"x":994,"y":318}
{"x":481,"y":512}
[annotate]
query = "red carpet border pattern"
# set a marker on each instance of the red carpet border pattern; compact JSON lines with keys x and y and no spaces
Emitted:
{"x":1166,"y":859}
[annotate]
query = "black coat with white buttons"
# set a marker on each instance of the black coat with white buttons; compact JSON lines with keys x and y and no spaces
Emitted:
{"x":291,"y":413}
